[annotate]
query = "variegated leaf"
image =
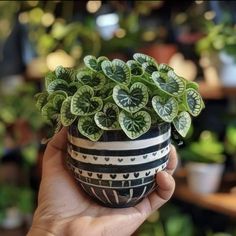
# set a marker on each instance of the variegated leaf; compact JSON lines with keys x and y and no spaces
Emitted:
{"x":169,"y":82}
{"x":66,"y":74}
{"x":150,"y":67}
{"x":108,"y":119}
{"x":93,"y":63}
{"x":49,"y":78}
{"x":142,"y":58}
{"x":67,"y":118}
{"x":193,"y":101}
{"x":84,"y":103}
{"x":106,"y":91}
{"x":49,"y":112}
{"x":167,"y":109}
{"x":132,"y":99}
{"x":182,"y":123}
{"x":89,"y":129}
{"x":57,"y":85}
{"x":135,"y":125}
{"x":117,"y":71}
{"x":94,"y":80}
{"x":41,"y":99}
{"x":135,"y":68}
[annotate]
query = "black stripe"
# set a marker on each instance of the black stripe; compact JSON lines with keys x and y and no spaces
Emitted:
{"x":119,"y":135}
{"x":134,"y":152}
{"x":115,"y":183}
{"x":117,"y":168}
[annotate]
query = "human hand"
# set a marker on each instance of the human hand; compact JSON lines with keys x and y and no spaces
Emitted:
{"x":64,"y":209}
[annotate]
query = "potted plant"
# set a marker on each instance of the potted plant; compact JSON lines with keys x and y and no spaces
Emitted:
{"x":204,"y":163}
{"x":119,"y":117}
{"x":230,"y":142}
{"x":221,"y":39}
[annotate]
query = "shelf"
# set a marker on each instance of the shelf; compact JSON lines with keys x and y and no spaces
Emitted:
{"x":222,"y":202}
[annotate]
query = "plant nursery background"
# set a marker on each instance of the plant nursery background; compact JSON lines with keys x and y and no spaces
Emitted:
{"x":196,"y":38}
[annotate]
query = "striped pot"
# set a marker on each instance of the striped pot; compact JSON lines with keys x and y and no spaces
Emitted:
{"x":117,"y":171}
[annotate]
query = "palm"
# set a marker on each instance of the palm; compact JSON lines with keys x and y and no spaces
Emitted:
{"x":61,"y":200}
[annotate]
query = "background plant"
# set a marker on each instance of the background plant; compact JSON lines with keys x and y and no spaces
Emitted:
{"x":114,"y":95}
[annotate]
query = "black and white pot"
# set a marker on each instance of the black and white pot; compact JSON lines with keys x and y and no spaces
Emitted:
{"x":117,"y":171}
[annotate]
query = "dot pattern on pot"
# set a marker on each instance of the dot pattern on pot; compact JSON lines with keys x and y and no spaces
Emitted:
{"x":118,"y":173}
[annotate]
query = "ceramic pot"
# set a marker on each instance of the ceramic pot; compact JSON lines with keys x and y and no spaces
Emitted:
{"x":117,"y":171}
{"x":204,"y":178}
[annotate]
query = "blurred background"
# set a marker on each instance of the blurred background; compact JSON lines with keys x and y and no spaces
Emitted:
{"x":197,"y":38}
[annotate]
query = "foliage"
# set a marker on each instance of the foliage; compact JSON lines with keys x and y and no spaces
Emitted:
{"x":230,"y":144}
{"x":208,"y":149}
{"x":219,"y":37}
{"x":15,"y":196}
{"x":114,"y":95}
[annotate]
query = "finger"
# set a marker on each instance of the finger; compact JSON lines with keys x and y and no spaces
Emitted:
{"x":173,"y":160}
{"x":55,"y":153}
{"x":164,"y":191}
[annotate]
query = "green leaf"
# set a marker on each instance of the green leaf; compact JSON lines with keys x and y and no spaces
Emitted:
{"x":49,"y":78}
{"x":192,"y":84}
{"x":135,"y":68}
{"x":94,"y":80}
{"x":149,"y":67}
{"x":106,"y":91}
{"x":182,"y":123}
{"x":169,"y":82}
{"x":57,"y":101}
{"x":135,"y":125}
{"x":67,"y":118}
{"x":167,"y":109}
{"x":108,"y":119}
{"x":84,"y":103}
{"x":49,"y":112}
{"x":66,"y":74}
{"x":93,"y":63}
{"x":142,"y":58}
{"x":164,"y":68}
{"x":57,"y":85}
{"x":41,"y":99}
{"x":117,"y":71}
{"x":193,"y":101}
{"x":89,"y":129}
{"x":132,"y":99}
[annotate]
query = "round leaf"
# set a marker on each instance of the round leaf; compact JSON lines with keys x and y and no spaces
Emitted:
{"x":108,"y":119}
{"x":93,"y":63}
{"x":169,"y":82}
{"x":167,"y":110}
{"x":41,"y":99}
{"x":83,"y":103}
{"x":149,"y":67}
{"x":67,"y":118}
{"x":94,"y":80}
{"x":182,"y":123}
{"x":135,"y":125}
{"x":117,"y":71}
{"x":66,"y":74}
{"x":142,"y":58}
{"x":89,"y":129}
{"x":132,"y":99}
{"x":135,"y":68}
{"x":57,"y":85}
{"x":193,"y":101}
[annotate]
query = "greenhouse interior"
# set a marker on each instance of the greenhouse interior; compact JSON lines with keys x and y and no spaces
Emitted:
{"x":97,"y":98}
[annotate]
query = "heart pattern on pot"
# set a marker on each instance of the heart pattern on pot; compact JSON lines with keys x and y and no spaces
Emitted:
{"x":134,"y":125}
{"x":94,"y":80}
{"x":117,"y":71}
{"x":167,"y":109}
{"x":132,"y":99}
{"x":88,"y":128}
{"x":108,"y":119}
{"x":182,"y":123}
{"x":169,"y":82}
{"x":67,"y":118}
{"x":94,"y":63}
{"x":193,"y":101}
{"x":84,"y":103}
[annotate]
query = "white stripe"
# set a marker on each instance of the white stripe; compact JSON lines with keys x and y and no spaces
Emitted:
{"x":119,"y":176}
{"x":119,"y":145}
{"x":114,"y":160}
{"x":131,"y":195}
{"x":104,"y":193}
{"x":96,"y":195}
{"x":105,"y":186}
{"x":116,"y":196}
{"x":144,"y":190}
